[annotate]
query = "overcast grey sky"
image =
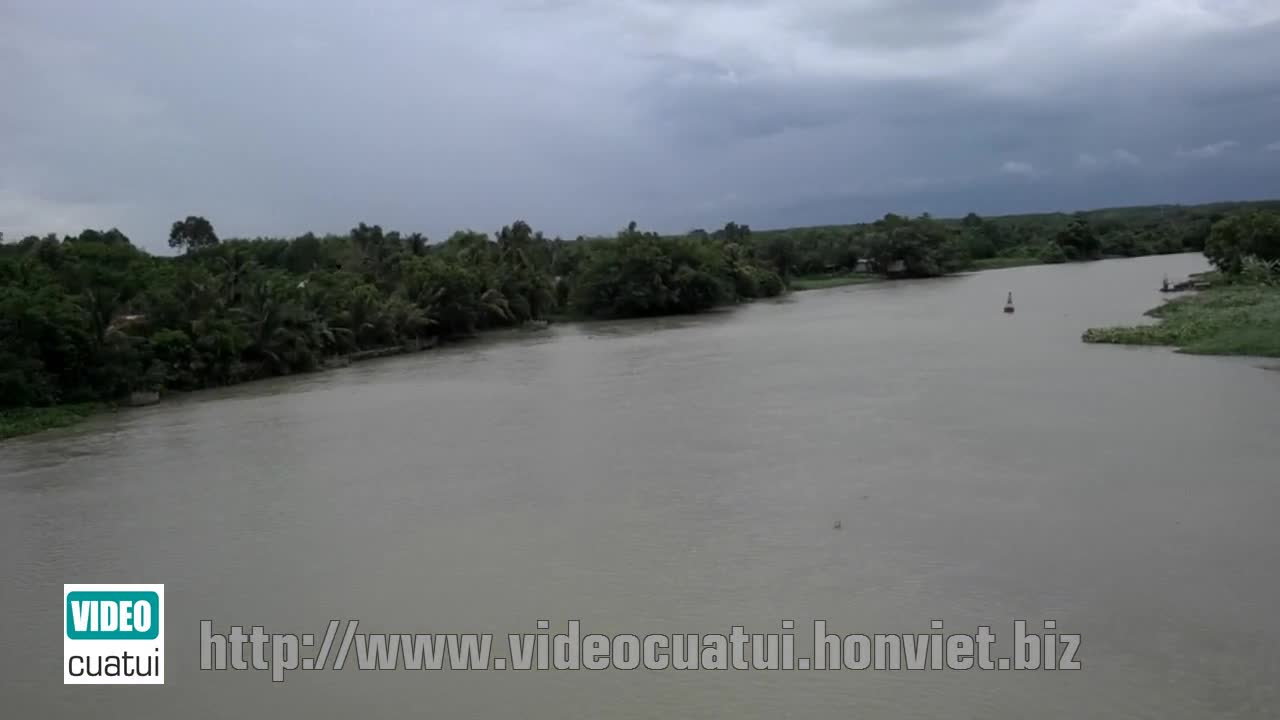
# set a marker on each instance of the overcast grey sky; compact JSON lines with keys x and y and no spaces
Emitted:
{"x":282,"y":116}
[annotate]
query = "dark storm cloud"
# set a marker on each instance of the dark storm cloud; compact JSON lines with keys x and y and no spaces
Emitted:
{"x":580,"y":115}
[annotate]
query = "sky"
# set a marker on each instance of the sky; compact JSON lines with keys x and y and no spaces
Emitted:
{"x":278,"y":117}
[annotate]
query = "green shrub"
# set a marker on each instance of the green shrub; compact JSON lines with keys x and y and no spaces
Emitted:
{"x":1053,"y":254}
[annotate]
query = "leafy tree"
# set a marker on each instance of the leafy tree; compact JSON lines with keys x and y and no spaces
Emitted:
{"x":1195,"y":234}
{"x":914,"y":248}
{"x":1122,"y":243}
{"x":734,"y":233}
{"x":416,"y":244}
{"x":977,"y":244}
{"x":105,"y":278}
{"x":1236,"y":238}
{"x":1079,"y":241}
{"x":46,"y":346}
{"x":781,"y":253}
{"x":1053,"y":254}
{"x":194,"y":233}
{"x":641,"y":274}
{"x":304,"y":254}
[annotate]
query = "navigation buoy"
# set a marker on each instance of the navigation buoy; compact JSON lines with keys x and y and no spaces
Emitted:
{"x":1008,"y":304}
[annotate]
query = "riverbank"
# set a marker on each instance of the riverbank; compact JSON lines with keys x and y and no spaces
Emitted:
{"x":30,"y":420}
{"x":802,"y":283}
{"x":999,"y":263}
{"x":822,"y":282}
{"x":1221,"y":320}
{"x":25,"y":421}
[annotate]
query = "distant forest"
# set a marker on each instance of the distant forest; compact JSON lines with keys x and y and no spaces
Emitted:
{"x":93,"y":318}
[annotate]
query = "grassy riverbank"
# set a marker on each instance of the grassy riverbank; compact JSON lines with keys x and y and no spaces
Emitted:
{"x":822,"y":282}
{"x":997,"y":263}
{"x":830,"y":280}
{"x":1222,"y":320}
{"x":24,"y":421}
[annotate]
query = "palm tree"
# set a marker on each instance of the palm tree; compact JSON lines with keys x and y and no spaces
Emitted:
{"x":407,"y":319}
{"x":236,"y":268}
{"x":494,"y":304}
{"x":363,"y":316}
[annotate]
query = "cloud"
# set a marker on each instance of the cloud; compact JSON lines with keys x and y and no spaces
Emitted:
{"x":1086,"y":160}
{"x":675,"y":113}
{"x":1116,"y":158}
{"x":1124,"y":157}
{"x":1212,"y":150}
{"x":1273,"y":147}
{"x":1018,"y":167}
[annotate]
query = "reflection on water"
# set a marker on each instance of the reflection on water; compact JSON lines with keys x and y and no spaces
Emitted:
{"x":684,"y":475}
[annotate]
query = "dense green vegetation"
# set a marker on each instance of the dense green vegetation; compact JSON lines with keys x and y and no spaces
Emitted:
{"x":1237,"y":314}
{"x":92,"y":318}
{"x":1008,"y":241}
{"x":641,"y":274}
{"x":822,"y":282}
{"x":25,"y":420}
{"x":1223,"y":320}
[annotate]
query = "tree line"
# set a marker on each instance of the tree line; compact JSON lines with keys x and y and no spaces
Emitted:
{"x":922,"y":246}
{"x":93,"y":317}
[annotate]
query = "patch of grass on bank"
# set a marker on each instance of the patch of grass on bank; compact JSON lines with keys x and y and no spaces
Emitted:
{"x":996,"y":263}
{"x":1222,"y":320}
{"x":821,"y":282}
{"x":24,"y":421}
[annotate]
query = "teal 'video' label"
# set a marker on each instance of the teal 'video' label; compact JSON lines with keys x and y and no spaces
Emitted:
{"x":113,"y":615}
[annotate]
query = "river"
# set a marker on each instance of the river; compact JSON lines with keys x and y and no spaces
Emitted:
{"x":685,"y":475}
